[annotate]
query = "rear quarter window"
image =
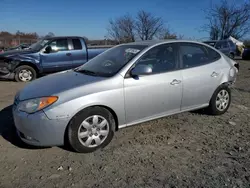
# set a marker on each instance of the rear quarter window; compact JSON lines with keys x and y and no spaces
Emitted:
{"x":212,"y":54}
{"x":77,"y":44}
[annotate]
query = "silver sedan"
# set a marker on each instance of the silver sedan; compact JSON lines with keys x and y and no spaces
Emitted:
{"x":126,"y":85}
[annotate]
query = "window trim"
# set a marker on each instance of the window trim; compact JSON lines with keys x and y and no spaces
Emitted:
{"x":69,"y":47}
{"x":127,"y":75}
{"x":197,"y":44}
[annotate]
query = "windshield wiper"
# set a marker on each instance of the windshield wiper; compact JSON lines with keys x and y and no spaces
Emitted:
{"x":87,"y":72}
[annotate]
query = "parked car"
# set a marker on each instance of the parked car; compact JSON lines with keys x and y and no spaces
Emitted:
{"x":211,"y":42}
{"x":225,"y":46}
{"x":246,"y":54}
{"x":126,"y":85}
{"x":49,"y":55}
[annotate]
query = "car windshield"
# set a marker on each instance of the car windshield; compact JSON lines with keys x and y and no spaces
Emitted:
{"x":39,"y":45}
{"x":110,"y":62}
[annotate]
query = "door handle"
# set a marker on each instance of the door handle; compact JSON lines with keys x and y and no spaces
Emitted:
{"x":68,"y":54}
{"x":175,"y":82}
{"x":214,"y":74}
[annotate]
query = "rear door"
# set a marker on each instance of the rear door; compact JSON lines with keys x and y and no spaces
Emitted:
{"x":201,"y":72}
{"x":78,"y":52}
{"x":59,"y":58}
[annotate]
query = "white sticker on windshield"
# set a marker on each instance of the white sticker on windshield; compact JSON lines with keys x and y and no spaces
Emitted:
{"x":132,"y":50}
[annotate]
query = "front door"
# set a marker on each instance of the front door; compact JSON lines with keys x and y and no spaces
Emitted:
{"x":201,"y":73}
{"x":151,"y":96}
{"x":59,"y":58}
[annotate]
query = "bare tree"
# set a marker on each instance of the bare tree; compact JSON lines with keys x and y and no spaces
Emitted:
{"x":166,"y":34}
{"x":226,"y":20}
{"x":122,"y":29}
{"x":148,"y":26}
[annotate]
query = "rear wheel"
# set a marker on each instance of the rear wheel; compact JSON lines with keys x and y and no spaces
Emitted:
{"x":25,"y":73}
{"x":91,"y":129}
{"x":220,"y":101}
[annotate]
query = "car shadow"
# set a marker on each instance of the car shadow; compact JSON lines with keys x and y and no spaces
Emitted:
{"x":202,"y":111}
{"x":8,"y":130}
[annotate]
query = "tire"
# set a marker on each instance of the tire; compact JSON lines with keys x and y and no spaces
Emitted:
{"x":25,"y":73}
{"x":90,"y":133}
{"x":219,"y":107}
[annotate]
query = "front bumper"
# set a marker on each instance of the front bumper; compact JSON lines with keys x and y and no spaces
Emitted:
{"x":6,"y":68}
{"x":7,"y":76}
{"x":36,"y":129}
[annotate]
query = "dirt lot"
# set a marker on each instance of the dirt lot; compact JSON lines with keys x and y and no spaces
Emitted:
{"x":185,"y":150}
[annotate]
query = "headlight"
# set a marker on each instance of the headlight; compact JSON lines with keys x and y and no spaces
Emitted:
{"x":34,"y":105}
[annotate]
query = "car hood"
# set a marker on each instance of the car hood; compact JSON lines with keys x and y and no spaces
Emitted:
{"x":15,"y":52}
{"x":56,"y":83}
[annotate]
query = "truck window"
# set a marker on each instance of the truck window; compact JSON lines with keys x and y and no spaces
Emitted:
{"x":232,"y":45}
{"x":59,"y":45}
{"x":77,"y":44}
{"x":221,"y":44}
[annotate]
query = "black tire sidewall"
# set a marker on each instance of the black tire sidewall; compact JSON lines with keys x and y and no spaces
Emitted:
{"x":26,"y":67}
{"x":76,"y":121}
{"x":212,"y":106}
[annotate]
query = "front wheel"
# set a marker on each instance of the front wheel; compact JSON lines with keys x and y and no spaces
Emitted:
{"x":220,"y":101}
{"x":25,"y":73}
{"x":91,"y":129}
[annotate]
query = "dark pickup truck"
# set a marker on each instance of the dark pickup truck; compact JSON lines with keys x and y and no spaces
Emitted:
{"x":48,"y":55}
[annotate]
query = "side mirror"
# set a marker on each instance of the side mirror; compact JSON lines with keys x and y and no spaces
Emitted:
{"x":141,"y":70}
{"x":48,"y":49}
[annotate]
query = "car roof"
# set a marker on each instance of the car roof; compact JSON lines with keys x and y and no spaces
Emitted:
{"x":211,"y":41}
{"x":156,"y":42}
{"x":63,"y":37}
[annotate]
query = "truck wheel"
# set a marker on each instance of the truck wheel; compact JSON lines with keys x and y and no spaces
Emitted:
{"x":91,"y":129}
{"x":25,"y":73}
{"x":220,"y":101}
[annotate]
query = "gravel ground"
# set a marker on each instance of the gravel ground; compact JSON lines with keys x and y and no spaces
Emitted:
{"x":184,"y":150}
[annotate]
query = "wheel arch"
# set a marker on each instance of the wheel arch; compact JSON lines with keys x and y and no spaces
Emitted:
{"x":101,"y":106}
{"x":28,"y":64}
{"x":223,"y":83}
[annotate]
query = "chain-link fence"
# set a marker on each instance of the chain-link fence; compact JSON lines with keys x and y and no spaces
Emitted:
{"x":12,"y":41}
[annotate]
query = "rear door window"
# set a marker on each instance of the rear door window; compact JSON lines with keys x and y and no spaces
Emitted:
{"x":193,"y":55}
{"x":77,"y":44}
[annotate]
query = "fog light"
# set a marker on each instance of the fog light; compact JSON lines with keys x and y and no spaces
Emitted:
{"x":26,"y":137}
